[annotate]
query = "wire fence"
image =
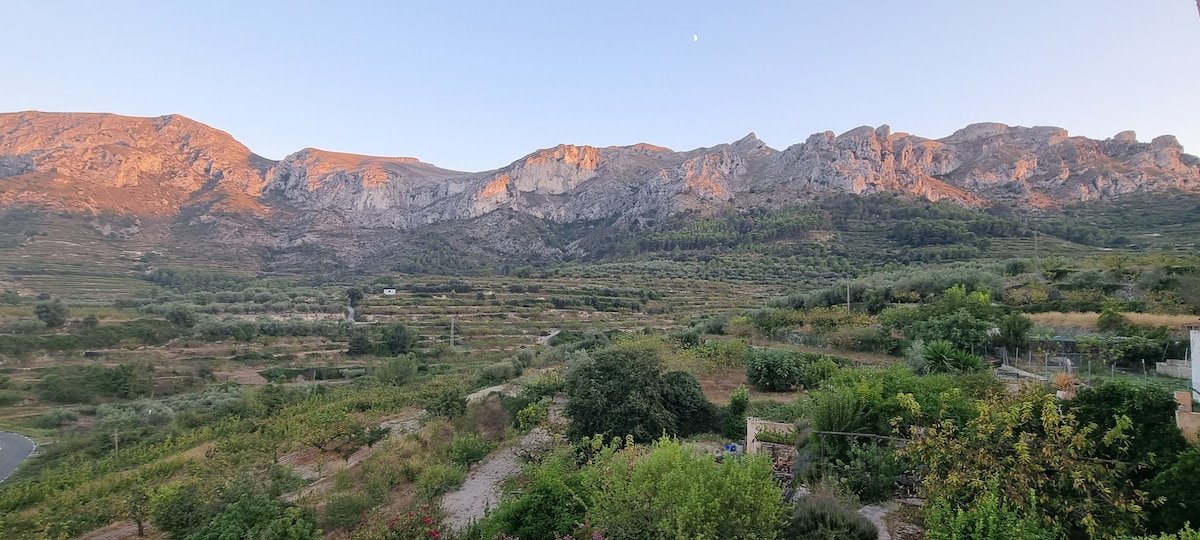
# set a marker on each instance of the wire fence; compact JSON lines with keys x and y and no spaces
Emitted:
{"x":1048,"y":363}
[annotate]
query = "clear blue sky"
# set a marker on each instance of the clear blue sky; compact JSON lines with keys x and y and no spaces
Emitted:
{"x":477,"y":85}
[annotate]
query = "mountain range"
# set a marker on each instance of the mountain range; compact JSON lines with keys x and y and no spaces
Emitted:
{"x":196,"y":186}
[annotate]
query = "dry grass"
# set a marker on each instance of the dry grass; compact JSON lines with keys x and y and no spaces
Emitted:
{"x":1058,"y":319}
{"x":719,"y":386}
{"x":1155,"y":319}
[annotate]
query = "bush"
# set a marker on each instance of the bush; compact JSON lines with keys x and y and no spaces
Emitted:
{"x":497,"y":373}
{"x":863,"y":338}
{"x":774,"y":370}
{"x":543,"y":385}
{"x":777,"y":370}
{"x":55,"y":418}
{"x":824,"y":516}
{"x":817,"y":372}
{"x":941,"y":356}
{"x":53,"y":312}
{"x":532,"y":416}
{"x":439,"y":479}
{"x":1186,"y":533}
{"x":26,"y":326}
{"x":468,"y":449}
{"x":989,"y":518}
{"x":397,"y":370}
{"x":448,"y":403}
{"x":1176,"y":485}
{"x":421,"y":523}
{"x":345,"y":510}
{"x":735,"y":413}
{"x":870,"y":472}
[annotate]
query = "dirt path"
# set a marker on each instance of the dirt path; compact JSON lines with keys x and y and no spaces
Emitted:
{"x":876,"y":514}
{"x":480,"y":394}
{"x":481,"y":490}
{"x":545,"y":340}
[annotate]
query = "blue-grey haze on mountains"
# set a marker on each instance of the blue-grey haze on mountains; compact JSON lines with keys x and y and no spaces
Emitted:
{"x":476,"y":85}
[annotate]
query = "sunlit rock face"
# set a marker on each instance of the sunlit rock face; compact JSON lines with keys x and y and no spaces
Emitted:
{"x":171,"y":167}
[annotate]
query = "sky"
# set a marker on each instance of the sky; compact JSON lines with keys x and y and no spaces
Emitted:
{"x":477,"y":85}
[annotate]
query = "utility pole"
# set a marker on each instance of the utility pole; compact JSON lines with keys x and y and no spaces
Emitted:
{"x":452,"y":330}
{"x":847,"y":298}
{"x":116,"y":445}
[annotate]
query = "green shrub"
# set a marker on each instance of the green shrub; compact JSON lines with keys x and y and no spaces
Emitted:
{"x":1187,"y":533}
{"x":870,"y":471}
{"x":344,"y":511}
{"x":8,"y":397}
{"x":863,"y":338}
{"x":774,"y":370}
{"x":777,"y":437}
{"x":823,"y":516}
{"x":1176,"y":485}
{"x":469,"y":448}
{"x":439,"y":479}
{"x":497,"y":373}
{"x":988,"y":519}
{"x":817,"y":372}
{"x":55,"y":418}
{"x":735,"y":413}
{"x":532,"y":416}
{"x":543,"y":384}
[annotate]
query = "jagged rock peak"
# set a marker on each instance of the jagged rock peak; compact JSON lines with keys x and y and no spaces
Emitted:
{"x":1127,"y":136}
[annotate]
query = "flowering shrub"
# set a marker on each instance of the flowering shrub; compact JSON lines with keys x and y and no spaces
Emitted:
{"x":584,"y":531}
{"x":421,"y":523}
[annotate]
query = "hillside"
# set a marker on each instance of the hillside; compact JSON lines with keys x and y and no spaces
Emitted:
{"x":194,"y":194}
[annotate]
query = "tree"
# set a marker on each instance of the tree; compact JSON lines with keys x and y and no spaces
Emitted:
{"x":397,"y":370}
{"x":354,"y":295}
{"x":359,"y":343}
{"x":684,"y":398}
{"x":1039,"y":457}
{"x":1177,"y":486}
{"x":621,"y":391}
{"x":53,"y":312}
{"x":181,"y":508}
{"x":398,"y":339}
{"x":1014,"y":331}
{"x":181,"y":315}
{"x":735,"y":414}
{"x":1154,"y":439}
{"x":961,"y":318}
{"x":1111,"y":319}
{"x":137,"y":508}
{"x":323,"y":428}
{"x":616,"y":393}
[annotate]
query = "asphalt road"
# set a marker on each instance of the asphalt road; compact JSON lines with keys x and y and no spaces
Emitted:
{"x":13,"y":450}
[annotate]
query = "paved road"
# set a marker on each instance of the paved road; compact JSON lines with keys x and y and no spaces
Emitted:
{"x":13,"y":450}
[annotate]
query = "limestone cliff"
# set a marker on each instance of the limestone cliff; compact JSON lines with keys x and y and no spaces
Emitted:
{"x":202,"y":180}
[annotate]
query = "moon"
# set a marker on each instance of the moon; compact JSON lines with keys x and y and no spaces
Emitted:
{"x":696,"y":37}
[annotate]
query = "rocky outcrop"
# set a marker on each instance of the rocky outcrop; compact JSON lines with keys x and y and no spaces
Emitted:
{"x":140,"y":166}
{"x":175,"y":168}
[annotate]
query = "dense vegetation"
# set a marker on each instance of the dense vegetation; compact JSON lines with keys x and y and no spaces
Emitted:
{"x":208,"y":403}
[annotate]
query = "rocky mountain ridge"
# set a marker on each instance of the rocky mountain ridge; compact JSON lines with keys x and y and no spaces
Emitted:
{"x":202,"y":180}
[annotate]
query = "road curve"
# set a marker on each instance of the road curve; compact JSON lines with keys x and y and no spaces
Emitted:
{"x":14,"y":449}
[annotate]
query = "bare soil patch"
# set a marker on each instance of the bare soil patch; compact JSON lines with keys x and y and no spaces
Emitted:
{"x":123,"y":530}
